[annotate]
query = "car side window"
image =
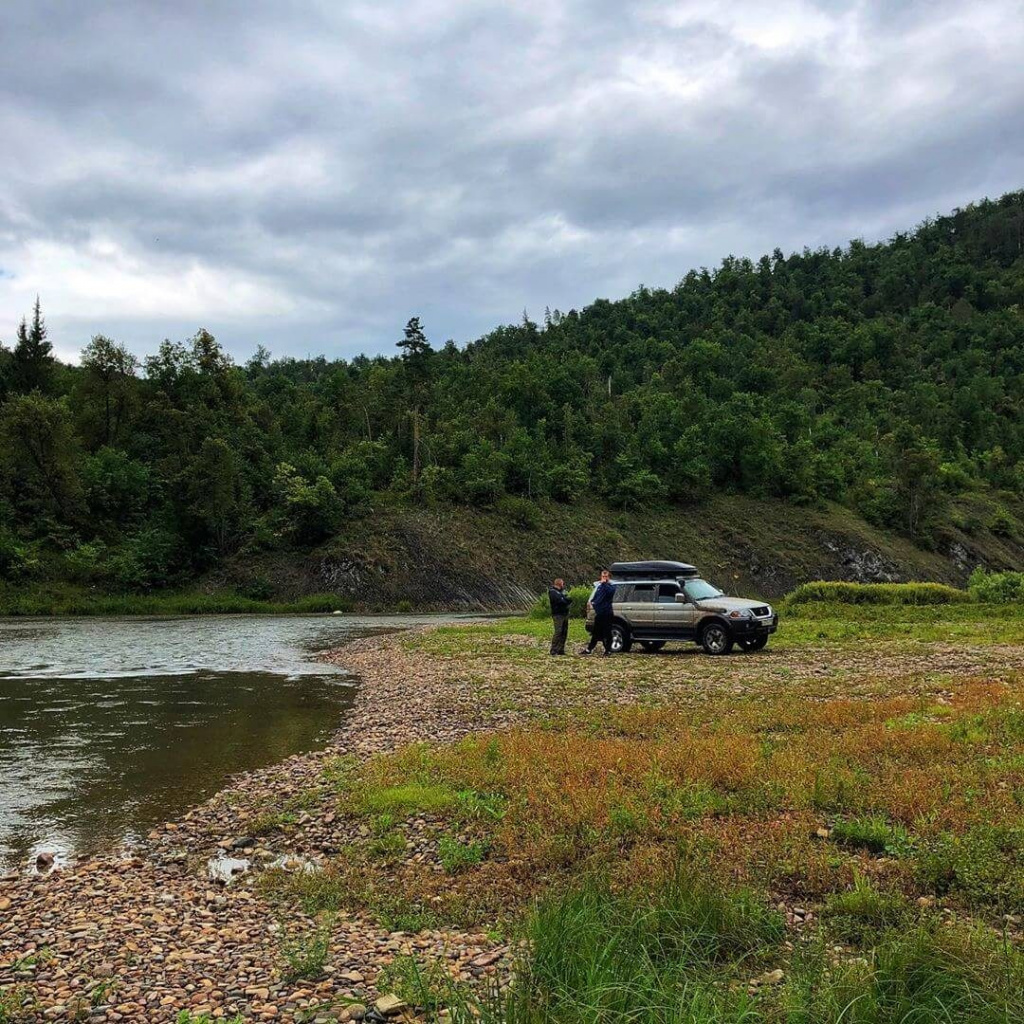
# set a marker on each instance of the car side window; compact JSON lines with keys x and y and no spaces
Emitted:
{"x":642,"y":592}
{"x":667,"y":593}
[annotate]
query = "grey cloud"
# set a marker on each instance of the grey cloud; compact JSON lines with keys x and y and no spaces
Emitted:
{"x":344,"y":165}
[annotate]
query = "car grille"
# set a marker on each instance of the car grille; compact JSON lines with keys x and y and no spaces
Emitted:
{"x":762,"y":611}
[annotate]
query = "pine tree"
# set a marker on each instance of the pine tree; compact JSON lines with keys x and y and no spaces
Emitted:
{"x":32,"y":361}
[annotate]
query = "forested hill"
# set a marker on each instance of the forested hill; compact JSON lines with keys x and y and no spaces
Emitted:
{"x":885,"y":379}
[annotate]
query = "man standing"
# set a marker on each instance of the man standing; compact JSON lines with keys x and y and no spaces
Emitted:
{"x":601,"y":602}
{"x":560,"y":604}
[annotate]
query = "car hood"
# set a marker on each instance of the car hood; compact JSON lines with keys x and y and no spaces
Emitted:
{"x":730,"y":604}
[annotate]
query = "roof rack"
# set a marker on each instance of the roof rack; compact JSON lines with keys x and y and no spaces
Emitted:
{"x":651,"y":570}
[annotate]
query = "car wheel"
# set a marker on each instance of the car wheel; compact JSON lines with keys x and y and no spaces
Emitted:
{"x":621,"y":640}
{"x":652,"y":645}
{"x":753,"y":645}
{"x":715,"y":639}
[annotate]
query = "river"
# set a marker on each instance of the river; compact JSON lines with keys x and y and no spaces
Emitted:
{"x":108,"y":726}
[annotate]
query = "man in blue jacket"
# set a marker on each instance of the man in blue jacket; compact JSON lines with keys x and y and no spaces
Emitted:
{"x":601,"y":602}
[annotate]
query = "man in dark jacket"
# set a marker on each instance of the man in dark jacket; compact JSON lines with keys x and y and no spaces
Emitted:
{"x":560,"y":604}
{"x":601,"y":602}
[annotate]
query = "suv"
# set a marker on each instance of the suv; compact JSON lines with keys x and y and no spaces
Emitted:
{"x":656,"y":602}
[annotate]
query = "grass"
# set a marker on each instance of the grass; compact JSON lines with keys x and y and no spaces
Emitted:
{"x":304,"y":952}
{"x":635,"y":833}
{"x":683,"y":952}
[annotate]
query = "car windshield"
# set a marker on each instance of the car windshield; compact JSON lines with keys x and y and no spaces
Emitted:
{"x":700,"y":590}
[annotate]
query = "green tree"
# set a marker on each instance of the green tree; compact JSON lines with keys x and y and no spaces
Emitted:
{"x":32,"y":365}
{"x":109,"y":390}
{"x":40,"y":459}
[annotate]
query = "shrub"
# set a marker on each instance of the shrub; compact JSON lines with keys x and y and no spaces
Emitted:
{"x":541,"y":608}
{"x":877,"y":593}
{"x":996,"y":587}
{"x":520,"y":512}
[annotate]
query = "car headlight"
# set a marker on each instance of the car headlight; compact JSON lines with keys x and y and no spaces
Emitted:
{"x":741,"y":613}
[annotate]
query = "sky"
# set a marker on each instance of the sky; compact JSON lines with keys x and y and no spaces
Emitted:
{"x":307,"y":176}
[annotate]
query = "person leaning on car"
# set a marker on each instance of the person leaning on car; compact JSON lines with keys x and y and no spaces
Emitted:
{"x":560,"y":604}
{"x":601,"y":602}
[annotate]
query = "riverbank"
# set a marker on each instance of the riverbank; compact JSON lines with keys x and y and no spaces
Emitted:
{"x":475,"y":773}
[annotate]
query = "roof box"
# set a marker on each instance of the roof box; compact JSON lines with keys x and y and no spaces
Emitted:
{"x":651,"y":570}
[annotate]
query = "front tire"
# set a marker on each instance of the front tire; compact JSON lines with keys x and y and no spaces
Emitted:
{"x":652,"y":645}
{"x":715,"y":639}
{"x":756,"y":644}
{"x":622,"y":641}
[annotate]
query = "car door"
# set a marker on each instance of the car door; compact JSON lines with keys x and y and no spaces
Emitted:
{"x":640,"y":614}
{"x":672,"y":617}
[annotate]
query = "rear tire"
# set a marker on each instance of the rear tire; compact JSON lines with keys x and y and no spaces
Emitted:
{"x":652,"y":645}
{"x":749,"y":646}
{"x":715,"y":639}
{"x":622,"y":640}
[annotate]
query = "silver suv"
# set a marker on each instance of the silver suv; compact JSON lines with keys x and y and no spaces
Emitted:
{"x":656,"y":602}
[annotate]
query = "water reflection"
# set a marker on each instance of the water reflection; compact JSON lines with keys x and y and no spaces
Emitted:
{"x":108,"y":726}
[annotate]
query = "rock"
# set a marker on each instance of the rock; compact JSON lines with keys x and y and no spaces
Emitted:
{"x":355,"y":1011}
{"x":44,"y":861}
{"x":389,"y":1005}
{"x":242,"y":843}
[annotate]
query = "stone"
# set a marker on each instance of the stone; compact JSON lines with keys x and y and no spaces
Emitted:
{"x":44,"y":861}
{"x":389,"y":1005}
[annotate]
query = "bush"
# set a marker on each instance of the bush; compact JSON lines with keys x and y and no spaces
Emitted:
{"x":541,"y":608}
{"x":877,"y":593}
{"x":520,"y":512}
{"x":996,"y":587}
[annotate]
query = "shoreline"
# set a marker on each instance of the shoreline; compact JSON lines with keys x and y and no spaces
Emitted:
{"x":86,"y":912}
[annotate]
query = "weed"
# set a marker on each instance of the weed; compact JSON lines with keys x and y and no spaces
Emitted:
{"x":984,"y":867}
{"x":187,"y":1017}
{"x":456,"y":855}
{"x":863,"y":912}
{"x":17,"y":1004}
{"x":315,"y":891}
{"x":305,"y":953}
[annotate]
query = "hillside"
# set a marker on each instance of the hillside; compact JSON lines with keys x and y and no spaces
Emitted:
{"x":466,"y":559}
{"x":746,"y":418}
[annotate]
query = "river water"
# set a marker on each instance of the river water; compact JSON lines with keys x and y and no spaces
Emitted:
{"x":108,"y":726}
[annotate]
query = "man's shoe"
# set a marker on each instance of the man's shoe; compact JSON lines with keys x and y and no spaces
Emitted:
{"x":585,"y":650}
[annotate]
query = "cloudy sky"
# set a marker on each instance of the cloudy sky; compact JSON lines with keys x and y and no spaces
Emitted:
{"x":308,"y":175}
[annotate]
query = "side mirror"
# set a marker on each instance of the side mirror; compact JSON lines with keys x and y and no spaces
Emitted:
{"x":682,"y":598}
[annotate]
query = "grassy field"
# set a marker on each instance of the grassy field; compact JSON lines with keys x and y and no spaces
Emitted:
{"x":831,"y":830}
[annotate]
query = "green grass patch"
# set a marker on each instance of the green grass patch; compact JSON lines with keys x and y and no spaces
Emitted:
{"x":873,"y":833}
{"x":457,"y":855}
{"x":863,"y":913}
{"x":403,"y":800}
{"x":826,"y":592}
{"x":983,"y":867}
